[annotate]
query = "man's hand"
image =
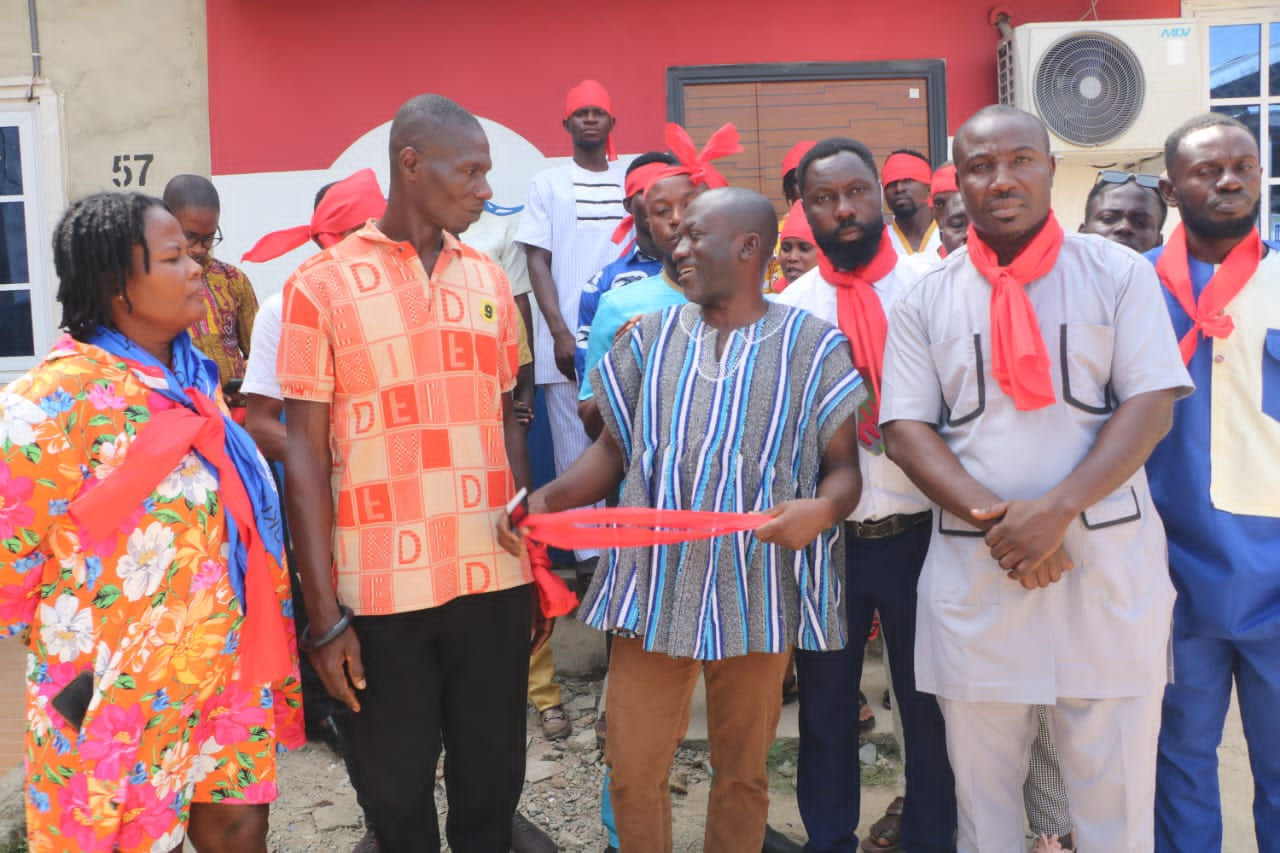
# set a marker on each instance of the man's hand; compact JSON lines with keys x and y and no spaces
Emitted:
{"x":340,"y":668}
{"x":542,"y":625}
{"x":1050,"y":571}
{"x":508,"y":537}
{"x":566,"y":350}
{"x":797,"y":523}
{"x":1025,"y":533}
{"x":524,"y":413}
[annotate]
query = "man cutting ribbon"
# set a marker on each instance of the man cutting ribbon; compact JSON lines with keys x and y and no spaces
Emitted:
{"x":727,"y":404}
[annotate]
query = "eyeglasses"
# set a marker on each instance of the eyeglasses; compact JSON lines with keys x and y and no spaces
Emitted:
{"x":208,"y":241}
{"x":1117,"y":176}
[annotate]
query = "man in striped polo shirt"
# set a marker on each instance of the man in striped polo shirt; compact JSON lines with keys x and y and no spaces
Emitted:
{"x":733,"y":404}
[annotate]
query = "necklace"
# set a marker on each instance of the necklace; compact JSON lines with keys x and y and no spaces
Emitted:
{"x":704,"y":342}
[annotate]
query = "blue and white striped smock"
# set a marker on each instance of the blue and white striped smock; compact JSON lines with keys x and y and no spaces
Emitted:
{"x":739,"y":434}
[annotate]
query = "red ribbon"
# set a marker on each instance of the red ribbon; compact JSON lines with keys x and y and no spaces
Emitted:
{"x":346,"y":205}
{"x":944,"y":181}
{"x":697,"y":164}
{"x":631,"y":527}
{"x":1207,"y":315}
{"x":1019,"y":359}
{"x":152,"y":455}
{"x":906,"y":167}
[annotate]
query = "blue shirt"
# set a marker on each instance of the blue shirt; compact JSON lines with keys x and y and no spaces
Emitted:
{"x":1226,"y":567}
{"x":632,"y":267}
{"x":616,"y":308}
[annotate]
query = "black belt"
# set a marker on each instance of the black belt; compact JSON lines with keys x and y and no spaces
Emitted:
{"x":889,"y":526}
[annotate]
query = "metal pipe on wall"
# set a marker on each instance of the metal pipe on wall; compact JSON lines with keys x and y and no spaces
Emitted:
{"x":36,"y":63}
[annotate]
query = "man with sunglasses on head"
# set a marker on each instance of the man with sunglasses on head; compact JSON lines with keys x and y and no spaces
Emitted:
{"x":230,"y":304}
{"x":1127,"y":209}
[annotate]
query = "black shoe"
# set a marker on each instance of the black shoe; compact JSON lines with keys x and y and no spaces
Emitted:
{"x":776,"y":842}
{"x":526,"y":837}
{"x":325,"y":730}
{"x":367,"y":843}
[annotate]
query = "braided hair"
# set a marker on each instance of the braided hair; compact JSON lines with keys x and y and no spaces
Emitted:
{"x":93,"y":256}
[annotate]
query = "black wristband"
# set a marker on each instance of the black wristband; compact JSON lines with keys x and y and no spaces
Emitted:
{"x":344,"y":622}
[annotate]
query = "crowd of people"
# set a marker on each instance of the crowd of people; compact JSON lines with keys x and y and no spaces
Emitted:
{"x":1036,"y":460}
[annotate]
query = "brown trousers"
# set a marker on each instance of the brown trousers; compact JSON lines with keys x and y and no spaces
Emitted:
{"x":648,"y":711}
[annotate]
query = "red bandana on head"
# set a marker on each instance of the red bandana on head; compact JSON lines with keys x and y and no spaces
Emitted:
{"x":347,"y":204}
{"x":944,"y":181}
{"x":591,"y":93}
{"x":797,"y":227}
{"x":1019,"y":360}
{"x":697,"y":164}
{"x":905,"y":167}
{"x":796,"y":154}
{"x":1207,"y":315}
{"x":860,"y":313}
{"x":638,"y":182}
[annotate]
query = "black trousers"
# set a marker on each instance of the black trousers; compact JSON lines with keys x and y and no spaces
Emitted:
{"x":453,"y":676}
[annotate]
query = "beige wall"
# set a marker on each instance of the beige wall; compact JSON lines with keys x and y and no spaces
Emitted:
{"x":130,"y":77}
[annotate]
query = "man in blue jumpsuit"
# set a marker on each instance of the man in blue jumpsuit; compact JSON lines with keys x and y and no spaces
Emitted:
{"x":1216,"y":482}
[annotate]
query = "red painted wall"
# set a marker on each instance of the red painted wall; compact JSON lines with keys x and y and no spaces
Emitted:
{"x":293,"y":82}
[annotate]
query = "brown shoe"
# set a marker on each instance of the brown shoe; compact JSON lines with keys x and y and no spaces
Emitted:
{"x":555,"y":723}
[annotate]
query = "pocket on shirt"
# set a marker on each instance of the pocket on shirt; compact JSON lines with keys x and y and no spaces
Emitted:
{"x":962,"y":376}
{"x":1119,"y":507}
{"x":1271,"y":374}
{"x":1084,"y":354}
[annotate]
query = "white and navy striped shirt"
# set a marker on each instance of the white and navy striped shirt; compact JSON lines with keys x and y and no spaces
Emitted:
{"x":741,"y":433}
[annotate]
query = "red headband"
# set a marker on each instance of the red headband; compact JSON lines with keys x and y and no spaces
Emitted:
{"x":797,"y":227}
{"x":905,"y":167}
{"x":591,"y":93}
{"x":638,"y":182}
{"x":697,"y":164}
{"x":796,"y":154}
{"x":944,"y":181}
{"x":347,"y":204}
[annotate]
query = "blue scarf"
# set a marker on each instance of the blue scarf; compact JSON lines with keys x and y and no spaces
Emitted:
{"x":194,"y":370}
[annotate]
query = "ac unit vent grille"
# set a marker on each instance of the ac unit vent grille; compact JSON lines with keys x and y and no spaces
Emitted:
{"x":1089,"y":88}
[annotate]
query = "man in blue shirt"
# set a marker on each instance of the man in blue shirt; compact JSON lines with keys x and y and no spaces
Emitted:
{"x":1216,"y":482}
{"x":638,"y":261}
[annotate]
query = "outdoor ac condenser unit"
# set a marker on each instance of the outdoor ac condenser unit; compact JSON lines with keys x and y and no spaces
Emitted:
{"x":1110,"y":91}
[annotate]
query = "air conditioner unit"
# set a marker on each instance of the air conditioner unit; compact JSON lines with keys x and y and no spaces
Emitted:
{"x":1110,"y":91}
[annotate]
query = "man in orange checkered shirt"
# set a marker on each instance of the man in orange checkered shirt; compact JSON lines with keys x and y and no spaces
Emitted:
{"x":397,"y":355}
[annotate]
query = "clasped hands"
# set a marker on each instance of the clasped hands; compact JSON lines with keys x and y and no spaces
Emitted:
{"x":1025,"y":538}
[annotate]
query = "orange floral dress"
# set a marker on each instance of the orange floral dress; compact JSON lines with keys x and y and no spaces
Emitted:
{"x":149,"y":612}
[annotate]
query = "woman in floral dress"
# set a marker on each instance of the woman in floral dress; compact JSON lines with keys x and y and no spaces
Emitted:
{"x":140,"y":560}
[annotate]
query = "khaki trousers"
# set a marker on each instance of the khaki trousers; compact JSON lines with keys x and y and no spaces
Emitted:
{"x":544,"y":693}
{"x":648,"y":711}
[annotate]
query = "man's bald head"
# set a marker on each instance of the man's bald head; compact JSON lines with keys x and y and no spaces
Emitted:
{"x":992,"y":119}
{"x":424,"y":118}
{"x":744,"y":212}
{"x":185,"y":192}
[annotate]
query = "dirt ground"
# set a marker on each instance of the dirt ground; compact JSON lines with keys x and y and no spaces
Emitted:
{"x":317,"y":810}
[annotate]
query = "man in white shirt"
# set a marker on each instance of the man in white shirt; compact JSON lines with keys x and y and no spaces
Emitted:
{"x":1026,"y":381}
{"x":854,"y":285}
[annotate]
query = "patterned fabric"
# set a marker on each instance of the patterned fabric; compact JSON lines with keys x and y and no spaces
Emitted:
{"x":149,"y":611}
{"x":739,"y":434}
{"x":633,"y":266}
{"x":414,"y":369}
{"x":230,"y":306}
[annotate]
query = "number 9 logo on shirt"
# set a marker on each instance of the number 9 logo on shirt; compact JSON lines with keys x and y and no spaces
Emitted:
{"x":488,"y":311}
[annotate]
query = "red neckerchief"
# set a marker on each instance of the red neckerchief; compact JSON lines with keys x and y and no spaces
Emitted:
{"x":170,"y":435}
{"x":1019,"y":360}
{"x":860,"y":313}
{"x":1207,"y":317}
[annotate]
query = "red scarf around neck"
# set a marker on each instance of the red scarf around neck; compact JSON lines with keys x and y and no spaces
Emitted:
{"x":860,"y":313}
{"x":1019,"y":360}
{"x":1207,"y":317}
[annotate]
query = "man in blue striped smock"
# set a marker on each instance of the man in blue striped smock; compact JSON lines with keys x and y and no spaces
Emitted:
{"x":730,"y":403}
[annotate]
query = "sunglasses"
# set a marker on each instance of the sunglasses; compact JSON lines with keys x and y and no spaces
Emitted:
{"x":1116,"y":176}
{"x":208,"y":241}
